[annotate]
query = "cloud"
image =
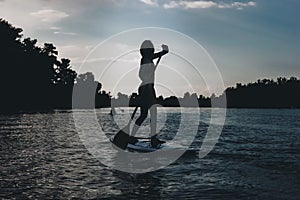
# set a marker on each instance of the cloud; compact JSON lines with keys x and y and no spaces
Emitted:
{"x":64,"y":33}
{"x":49,"y":15}
{"x":150,"y":2}
{"x":197,"y":4}
{"x":55,"y":28}
{"x":238,"y":5}
{"x":171,"y":4}
{"x":112,"y":59}
{"x":207,"y":4}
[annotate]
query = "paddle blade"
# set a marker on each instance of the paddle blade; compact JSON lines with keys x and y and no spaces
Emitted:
{"x":121,"y":139}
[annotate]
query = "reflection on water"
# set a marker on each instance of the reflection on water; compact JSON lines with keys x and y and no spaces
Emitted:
{"x":257,"y":157}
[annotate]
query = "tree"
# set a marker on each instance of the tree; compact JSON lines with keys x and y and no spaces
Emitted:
{"x":32,"y":78}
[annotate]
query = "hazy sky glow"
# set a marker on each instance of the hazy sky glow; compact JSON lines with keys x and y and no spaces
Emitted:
{"x":248,"y":40}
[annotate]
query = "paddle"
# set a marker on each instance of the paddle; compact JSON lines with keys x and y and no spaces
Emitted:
{"x":122,"y":138}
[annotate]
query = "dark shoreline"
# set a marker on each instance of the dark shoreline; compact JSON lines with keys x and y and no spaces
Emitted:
{"x":71,"y":110}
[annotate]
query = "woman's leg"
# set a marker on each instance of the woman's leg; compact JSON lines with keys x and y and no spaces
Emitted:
{"x":155,"y":142}
{"x":140,"y":120}
{"x":153,"y":119}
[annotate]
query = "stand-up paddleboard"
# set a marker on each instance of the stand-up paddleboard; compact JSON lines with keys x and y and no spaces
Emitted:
{"x":144,"y":145}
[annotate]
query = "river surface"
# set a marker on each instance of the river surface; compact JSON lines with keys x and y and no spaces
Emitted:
{"x":256,"y":157}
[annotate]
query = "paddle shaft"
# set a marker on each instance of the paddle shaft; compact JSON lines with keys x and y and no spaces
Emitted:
{"x":132,"y":116}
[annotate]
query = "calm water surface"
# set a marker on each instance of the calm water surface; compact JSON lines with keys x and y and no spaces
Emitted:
{"x":256,"y":157}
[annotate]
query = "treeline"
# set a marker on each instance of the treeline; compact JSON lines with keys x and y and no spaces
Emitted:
{"x":266,"y":93}
{"x":32,"y":76}
{"x":34,"y":79}
{"x":189,"y":100}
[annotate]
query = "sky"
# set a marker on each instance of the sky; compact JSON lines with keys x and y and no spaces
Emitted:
{"x":240,"y":40}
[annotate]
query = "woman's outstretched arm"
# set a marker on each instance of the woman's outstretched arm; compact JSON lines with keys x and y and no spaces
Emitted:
{"x":161,"y":53}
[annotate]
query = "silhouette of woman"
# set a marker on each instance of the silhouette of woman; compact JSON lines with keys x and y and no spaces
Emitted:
{"x":147,"y":96}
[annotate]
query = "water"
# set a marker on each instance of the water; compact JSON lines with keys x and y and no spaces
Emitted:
{"x":256,"y":157}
